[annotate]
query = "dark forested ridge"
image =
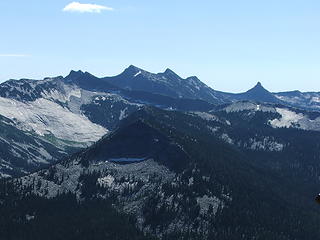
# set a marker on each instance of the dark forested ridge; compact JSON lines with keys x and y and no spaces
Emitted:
{"x":189,"y":183}
{"x":63,"y":217}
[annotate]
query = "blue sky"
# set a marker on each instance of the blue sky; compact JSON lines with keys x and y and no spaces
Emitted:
{"x":229,"y":45}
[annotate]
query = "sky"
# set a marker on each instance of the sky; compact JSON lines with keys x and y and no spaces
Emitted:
{"x":230,"y":45}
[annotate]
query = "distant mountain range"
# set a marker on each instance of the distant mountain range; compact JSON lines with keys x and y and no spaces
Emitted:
{"x":71,"y":112}
{"x":170,"y":84}
{"x":169,"y":157}
{"x":167,"y":83}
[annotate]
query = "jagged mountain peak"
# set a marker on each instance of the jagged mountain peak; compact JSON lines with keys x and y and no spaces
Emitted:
{"x":259,"y":90}
{"x":74,"y":73}
{"x":166,"y":83}
{"x":193,"y":78}
{"x":77,"y":74}
{"x":135,"y":71}
{"x":132,"y":71}
{"x":171,"y":75}
{"x":168,"y":71}
{"x":133,"y":67}
{"x":260,"y":94}
{"x":87,"y":81}
{"x":259,"y":84}
{"x":258,"y":87}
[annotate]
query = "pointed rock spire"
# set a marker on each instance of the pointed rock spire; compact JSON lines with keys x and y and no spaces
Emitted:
{"x":260,"y":94}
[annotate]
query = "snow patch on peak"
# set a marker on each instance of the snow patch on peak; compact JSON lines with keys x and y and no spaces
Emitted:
{"x":137,"y":74}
